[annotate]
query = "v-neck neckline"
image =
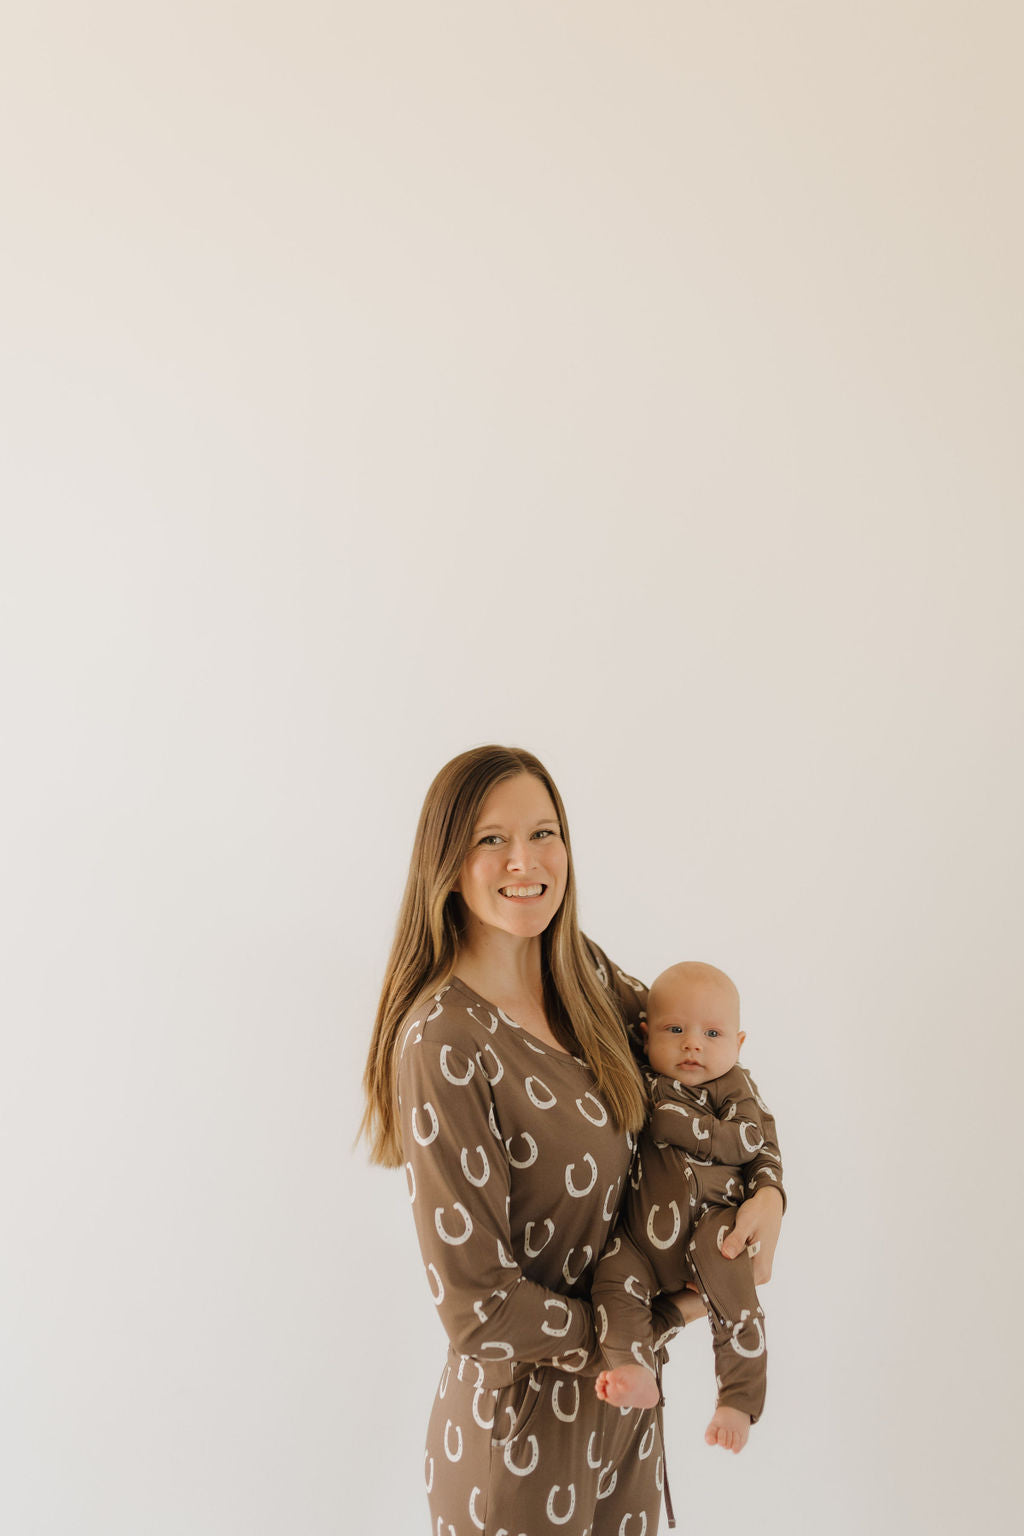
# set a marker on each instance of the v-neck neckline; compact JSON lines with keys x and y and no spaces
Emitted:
{"x":534,"y":1041}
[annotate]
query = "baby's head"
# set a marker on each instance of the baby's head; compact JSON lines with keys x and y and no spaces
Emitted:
{"x":693,"y":1023}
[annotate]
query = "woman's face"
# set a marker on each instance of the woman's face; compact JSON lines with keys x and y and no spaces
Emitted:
{"x":515,"y":873}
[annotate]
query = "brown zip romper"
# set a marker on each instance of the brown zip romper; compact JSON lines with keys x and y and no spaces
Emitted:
{"x":515,"y":1174}
{"x":680,"y":1204}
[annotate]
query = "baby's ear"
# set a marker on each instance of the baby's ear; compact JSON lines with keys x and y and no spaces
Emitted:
{"x":643,"y":1027}
{"x":739,"y":1040}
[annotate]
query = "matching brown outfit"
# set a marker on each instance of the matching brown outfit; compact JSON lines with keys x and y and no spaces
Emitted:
{"x":704,"y":1150}
{"x":515,"y":1174}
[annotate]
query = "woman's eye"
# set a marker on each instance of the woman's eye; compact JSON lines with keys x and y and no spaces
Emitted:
{"x":490,"y":840}
{"x":544,"y":832}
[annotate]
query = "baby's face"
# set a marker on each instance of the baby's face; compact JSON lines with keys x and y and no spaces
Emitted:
{"x":693,"y":1029}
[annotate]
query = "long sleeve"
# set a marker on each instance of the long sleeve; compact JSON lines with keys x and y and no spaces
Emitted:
{"x":459,"y":1168}
{"x":765,"y":1171}
{"x":736,"y":1140}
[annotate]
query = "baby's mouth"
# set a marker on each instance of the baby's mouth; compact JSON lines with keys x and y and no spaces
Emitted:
{"x":521,"y":892}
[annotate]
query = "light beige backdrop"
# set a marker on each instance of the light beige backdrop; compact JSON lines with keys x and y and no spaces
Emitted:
{"x":639,"y":383}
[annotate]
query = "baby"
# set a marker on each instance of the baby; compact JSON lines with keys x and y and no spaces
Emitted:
{"x":710,"y":1142}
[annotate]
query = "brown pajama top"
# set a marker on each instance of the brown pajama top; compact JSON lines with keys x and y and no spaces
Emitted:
{"x":515,"y":1174}
{"x":704,"y":1150}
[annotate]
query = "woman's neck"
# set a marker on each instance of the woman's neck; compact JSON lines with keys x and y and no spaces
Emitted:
{"x":499,"y":965}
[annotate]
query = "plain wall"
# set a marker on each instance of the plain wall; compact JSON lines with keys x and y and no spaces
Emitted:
{"x":640,"y":384}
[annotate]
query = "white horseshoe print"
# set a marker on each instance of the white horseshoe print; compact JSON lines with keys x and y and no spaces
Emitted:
{"x":490,"y":1023}
{"x":531,"y":1464}
{"x":452,"y":1456}
{"x":572,"y":1360}
{"x":566,"y":1418}
{"x":428,"y":1476}
{"x":659,"y":1475}
{"x":425,"y":1141}
{"x":635,"y":1287}
{"x":484,"y":1423}
{"x":609,"y":1199}
{"x":603,"y":1489}
{"x":467,"y":1360}
{"x":410,"y":1175}
{"x":648,"y":1441}
{"x":561,"y":1519}
{"x":464,"y":1160}
{"x":478,"y":1308}
{"x":526,"y":1162}
{"x":533,"y":1252}
{"x":720,"y":1237}
{"x":505,"y":1351}
{"x":538,"y":1050}
{"x":438,"y":1295}
{"x":549,"y":1328}
{"x":500,"y":1439}
{"x":437,"y":1008}
{"x":499,"y":1074}
{"x":449,"y":1075}
{"x":493,"y":1123}
{"x":757,"y":1141}
{"x":627,"y":1518}
{"x":593,"y":1465}
{"x":503,"y":1258}
{"x":571,"y":1279}
{"x":601,"y":1118}
{"x":570,"y":1186}
{"x":750,"y":1354}
{"x":677,"y":1226}
{"x":698,"y":1134}
{"x":613,"y":1247}
{"x":467,"y":1227}
{"x":602,"y":1331}
{"x":636,"y":1349}
{"x":505,"y":1018}
{"x":472,"y":1510}
{"x":532,"y":1095}
{"x":406,"y":1038}
{"x":451,"y":1528}
{"x":445,"y":1378}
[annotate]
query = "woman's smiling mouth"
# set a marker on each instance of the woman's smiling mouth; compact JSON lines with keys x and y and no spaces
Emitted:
{"x":521,"y":892}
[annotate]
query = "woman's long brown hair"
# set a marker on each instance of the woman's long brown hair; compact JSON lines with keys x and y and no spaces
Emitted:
{"x":427,"y":938}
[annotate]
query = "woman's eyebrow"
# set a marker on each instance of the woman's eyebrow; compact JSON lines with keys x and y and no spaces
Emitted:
{"x":497,"y":826}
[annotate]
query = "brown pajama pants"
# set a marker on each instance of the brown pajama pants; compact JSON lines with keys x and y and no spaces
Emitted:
{"x":539,"y":1456}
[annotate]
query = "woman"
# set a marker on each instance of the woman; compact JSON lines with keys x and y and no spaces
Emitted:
{"x":501,"y":1074}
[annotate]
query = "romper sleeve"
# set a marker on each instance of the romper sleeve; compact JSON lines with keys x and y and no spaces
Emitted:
{"x":458,"y":1173}
{"x":728,"y":1133}
{"x":765,"y":1171}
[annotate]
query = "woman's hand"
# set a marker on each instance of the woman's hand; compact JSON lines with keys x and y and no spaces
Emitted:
{"x":757,"y":1227}
{"x":688,"y":1304}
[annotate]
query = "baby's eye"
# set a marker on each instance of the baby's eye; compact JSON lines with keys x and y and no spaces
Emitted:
{"x":675,"y":1029}
{"x":713,"y":1034}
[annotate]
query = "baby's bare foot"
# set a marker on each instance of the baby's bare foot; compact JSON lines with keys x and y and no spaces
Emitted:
{"x":628,"y":1386}
{"x":729,"y":1428}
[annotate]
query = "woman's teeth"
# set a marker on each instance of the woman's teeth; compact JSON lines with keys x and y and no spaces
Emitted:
{"x":521,"y":890}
